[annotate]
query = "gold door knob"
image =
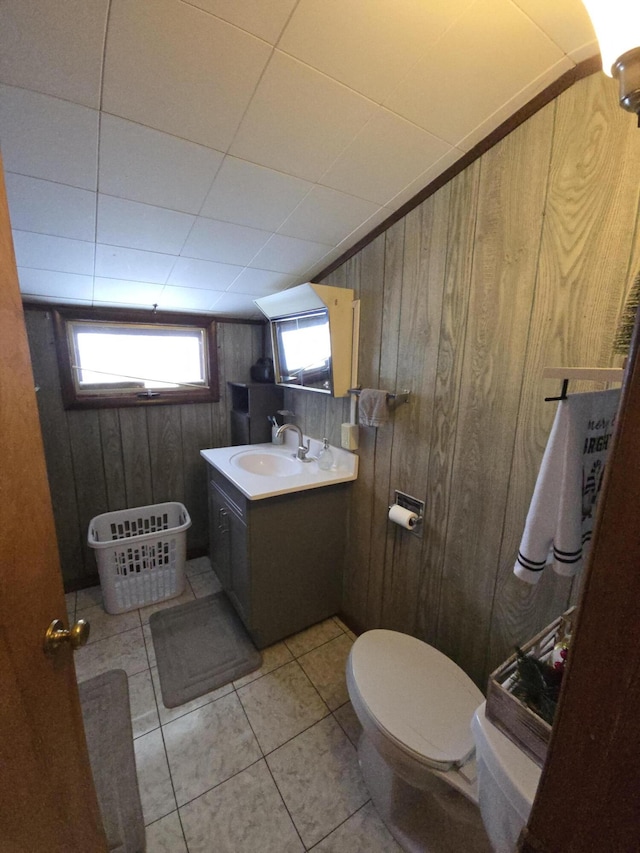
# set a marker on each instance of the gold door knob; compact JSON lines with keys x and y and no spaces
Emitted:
{"x":57,"y":635}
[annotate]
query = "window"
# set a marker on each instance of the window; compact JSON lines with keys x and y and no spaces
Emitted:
{"x":124,"y":359}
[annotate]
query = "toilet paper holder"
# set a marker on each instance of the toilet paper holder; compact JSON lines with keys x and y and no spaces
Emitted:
{"x":413,"y":505}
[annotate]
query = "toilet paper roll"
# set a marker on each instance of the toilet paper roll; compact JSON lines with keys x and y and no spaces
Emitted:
{"x":402,"y":516}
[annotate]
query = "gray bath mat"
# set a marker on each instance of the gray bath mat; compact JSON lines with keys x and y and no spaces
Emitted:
{"x":199,"y":646}
{"x":107,"y":724}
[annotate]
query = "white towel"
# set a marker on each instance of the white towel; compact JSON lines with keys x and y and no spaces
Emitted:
{"x":562,"y":511}
{"x":373,"y":409}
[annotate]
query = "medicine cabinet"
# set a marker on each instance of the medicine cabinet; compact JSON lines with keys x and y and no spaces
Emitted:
{"x":312,"y":337}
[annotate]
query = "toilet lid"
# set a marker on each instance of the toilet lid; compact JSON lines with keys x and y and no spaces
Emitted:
{"x":419,"y":697}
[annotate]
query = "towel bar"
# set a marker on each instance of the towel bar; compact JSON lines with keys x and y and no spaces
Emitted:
{"x":397,"y":397}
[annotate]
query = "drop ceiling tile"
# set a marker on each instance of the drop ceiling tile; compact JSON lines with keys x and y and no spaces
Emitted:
{"x":133,"y":264}
{"x":146,"y":165}
{"x":125,"y":292}
{"x":253,"y":195}
{"x":204,"y":275}
{"x":288,"y":254}
{"x":40,"y":251}
{"x":141,"y":226}
{"x":173,"y":67}
{"x":186,"y":299}
{"x":367,"y":44}
{"x":262,"y":18}
{"x":236,"y":305}
{"x":424,"y":179}
{"x":567,"y":24}
{"x":327,"y":216}
{"x":55,"y":48}
{"x":513,"y":104}
{"x":463,"y":93}
{"x":45,"y":137}
{"x":55,"y":285}
{"x":312,"y":271}
{"x":211,"y":240}
{"x":261,"y":282}
{"x":299,"y":120}
{"x":384,"y":157}
{"x":49,"y":208}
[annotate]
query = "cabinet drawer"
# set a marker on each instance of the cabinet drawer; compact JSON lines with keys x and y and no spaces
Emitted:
{"x":234,"y":497}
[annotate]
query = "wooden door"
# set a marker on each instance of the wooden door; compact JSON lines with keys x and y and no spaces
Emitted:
{"x":47,"y":799}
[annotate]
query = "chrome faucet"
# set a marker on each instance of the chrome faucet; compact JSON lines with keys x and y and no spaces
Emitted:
{"x":302,"y":448}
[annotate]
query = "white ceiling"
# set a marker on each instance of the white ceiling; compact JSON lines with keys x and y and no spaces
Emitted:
{"x":196,"y":155}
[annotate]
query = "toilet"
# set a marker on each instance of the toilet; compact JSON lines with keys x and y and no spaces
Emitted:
{"x":417,"y":750}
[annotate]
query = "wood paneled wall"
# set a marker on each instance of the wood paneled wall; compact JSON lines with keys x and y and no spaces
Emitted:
{"x":109,"y":459}
{"x":520,"y":262}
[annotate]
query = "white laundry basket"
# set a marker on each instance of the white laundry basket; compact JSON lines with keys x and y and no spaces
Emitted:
{"x":141,"y":554}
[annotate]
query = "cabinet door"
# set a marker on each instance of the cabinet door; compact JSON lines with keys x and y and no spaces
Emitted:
{"x":240,"y":577}
{"x":219,"y":538}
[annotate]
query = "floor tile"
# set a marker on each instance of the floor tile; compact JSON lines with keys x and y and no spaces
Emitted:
{"x":204,"y":584}
{"x":169,"y":714}
{"x":165,"y":836}
{"x":318,"y":776}
{"x":281,"y":704}
{"x":326,"y":666}
{"x":349,"y":722}
{"x":272,"y":658}
{"x":89,"y":597}
{"x":142,"y":699}
{"x":363,"y":832}
{"x":246,"y":814}
{"x":303,"y":642}
{"x":122,"y":651}
{"x":341,"y":624}
{"x":70,"y":601}
{"x":105,"y":625}
{"x":208,"y":746}
{"x":148,"y":642}
{"x":196,"y":566}
{"x":154,"y":781}
{"x":187,"y":595}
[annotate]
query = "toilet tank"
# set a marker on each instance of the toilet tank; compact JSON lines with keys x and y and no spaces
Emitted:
{"x":507,"y":783}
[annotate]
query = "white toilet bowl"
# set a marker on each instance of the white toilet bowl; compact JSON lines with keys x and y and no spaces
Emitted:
{"x":417,"y":749}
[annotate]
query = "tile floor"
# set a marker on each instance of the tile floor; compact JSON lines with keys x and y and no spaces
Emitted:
{"x":266,"y":764}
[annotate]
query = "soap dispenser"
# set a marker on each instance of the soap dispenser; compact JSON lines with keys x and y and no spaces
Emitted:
{"x":325,"y":457}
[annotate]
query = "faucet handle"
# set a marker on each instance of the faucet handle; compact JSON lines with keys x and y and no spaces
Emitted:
{"x":303,"y":449}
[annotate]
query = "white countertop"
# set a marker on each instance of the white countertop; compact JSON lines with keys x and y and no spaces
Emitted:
{"x":308,"y":475}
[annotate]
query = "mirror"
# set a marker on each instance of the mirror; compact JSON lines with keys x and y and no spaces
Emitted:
{"x":302,"y":348}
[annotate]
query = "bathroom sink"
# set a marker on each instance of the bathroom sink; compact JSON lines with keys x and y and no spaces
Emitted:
{"x":266,"y":470}
{"x":267,"y":464}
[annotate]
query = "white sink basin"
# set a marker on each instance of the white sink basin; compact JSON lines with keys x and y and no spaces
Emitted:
{"x":267,"y":464}
{"x":266,"y":470}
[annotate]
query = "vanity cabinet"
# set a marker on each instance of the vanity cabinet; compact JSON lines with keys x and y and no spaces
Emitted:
{"x":279,"y":559}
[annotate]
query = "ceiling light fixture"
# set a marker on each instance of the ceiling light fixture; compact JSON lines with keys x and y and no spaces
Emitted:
{"x":617,"y":26}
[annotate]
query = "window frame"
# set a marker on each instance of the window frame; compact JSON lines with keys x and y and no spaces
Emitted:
{"x":163,"y":396}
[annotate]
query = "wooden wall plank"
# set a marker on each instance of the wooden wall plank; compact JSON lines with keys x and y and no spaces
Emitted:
{"x":88,"y":477}
{"x":164,"y":430}
{"x":113,"y":462}
{"x":508,"y":225}
{"x":196,"y":436}
{"x":57,"y":446}
{"x":463,"y":201}
{"x":419,"y":336}
{"x":380,"y":562}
